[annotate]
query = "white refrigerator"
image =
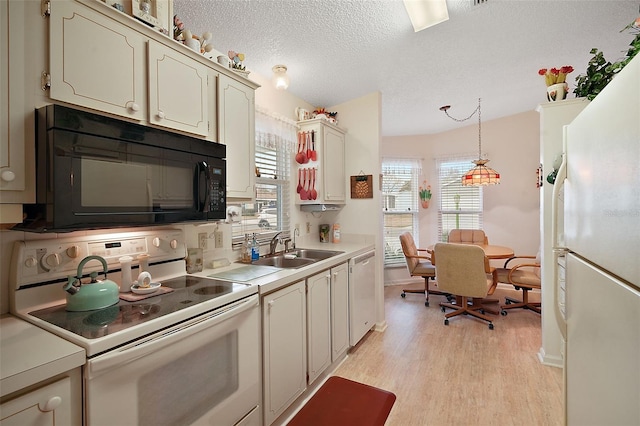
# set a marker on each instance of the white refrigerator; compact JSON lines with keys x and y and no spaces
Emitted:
{"x":597,"y":240}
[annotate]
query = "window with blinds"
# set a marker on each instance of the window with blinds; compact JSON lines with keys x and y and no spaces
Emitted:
{"x":269,"y":214}
{"x":399,"y":204}
{"x":460,"y":206}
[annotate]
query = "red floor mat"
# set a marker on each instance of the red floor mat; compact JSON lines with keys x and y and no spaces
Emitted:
{"x":341,"y":401}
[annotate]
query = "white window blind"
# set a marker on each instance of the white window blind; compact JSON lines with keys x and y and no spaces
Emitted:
{"x":399,"y":204}
{"x":460,"y":206}
{"x":269,"y":214}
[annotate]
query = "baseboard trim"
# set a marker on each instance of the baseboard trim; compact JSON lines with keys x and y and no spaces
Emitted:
{"x":551,"y":361}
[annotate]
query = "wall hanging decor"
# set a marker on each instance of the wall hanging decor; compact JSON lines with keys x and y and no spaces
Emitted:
{"x":425,"y":195}
{"x":362,"y":186}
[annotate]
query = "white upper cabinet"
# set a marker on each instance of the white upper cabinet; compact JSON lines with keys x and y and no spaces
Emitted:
{"x":321,"y":175}
{"x":236,"y":126}
{"x":177,"y":103}
{"x":96,"y":62}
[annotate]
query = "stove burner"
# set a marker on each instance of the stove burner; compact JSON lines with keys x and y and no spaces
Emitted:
{"x":213,"y":289}
{"x":103,"y":317}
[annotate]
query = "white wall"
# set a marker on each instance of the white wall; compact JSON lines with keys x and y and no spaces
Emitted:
{"x":511,"y":209}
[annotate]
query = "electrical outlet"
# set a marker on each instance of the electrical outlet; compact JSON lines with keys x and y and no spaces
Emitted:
{"x":218,"y":238}
{"x":202,"y":240}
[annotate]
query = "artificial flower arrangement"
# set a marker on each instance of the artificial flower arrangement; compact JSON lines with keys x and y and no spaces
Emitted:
{"x":236,"y":60}
{"x":184,"y":36}
{"x":425,"y":194}
{"x":555,"y":75}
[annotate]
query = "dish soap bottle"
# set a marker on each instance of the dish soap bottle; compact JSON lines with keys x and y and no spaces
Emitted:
{"x":246,"y":250}
{"x":255,"y":249}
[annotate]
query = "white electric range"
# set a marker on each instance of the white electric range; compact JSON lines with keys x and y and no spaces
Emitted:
{"x":200,"y":338}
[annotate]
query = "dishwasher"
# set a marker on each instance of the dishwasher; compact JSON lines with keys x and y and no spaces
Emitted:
{"x":362,"y":296}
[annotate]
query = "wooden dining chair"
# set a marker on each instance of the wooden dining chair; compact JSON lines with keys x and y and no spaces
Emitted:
{"x":419,"y":265}
{"x":464,"y":271}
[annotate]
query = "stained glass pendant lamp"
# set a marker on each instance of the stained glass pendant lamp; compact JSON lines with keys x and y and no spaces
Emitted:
{"x":480,"y":174}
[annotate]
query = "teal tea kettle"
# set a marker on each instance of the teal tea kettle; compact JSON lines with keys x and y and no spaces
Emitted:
{"x":94,"y":295}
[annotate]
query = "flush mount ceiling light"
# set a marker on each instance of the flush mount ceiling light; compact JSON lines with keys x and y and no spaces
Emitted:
{"x":480,"y":174}
{"x":280,"y":78}
{"x":426,"y":13}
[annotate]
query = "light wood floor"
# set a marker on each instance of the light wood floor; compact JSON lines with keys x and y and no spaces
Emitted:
{"x":461,"y":374}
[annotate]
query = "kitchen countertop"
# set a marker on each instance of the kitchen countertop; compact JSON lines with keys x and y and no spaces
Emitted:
{"x":29,"y":354}
{"x":23,"y":362}
{"x":282,"y":277}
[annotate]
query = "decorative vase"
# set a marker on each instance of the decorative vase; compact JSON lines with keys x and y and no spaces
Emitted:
{"x":557,"y":92}
{"x":425,"y":203}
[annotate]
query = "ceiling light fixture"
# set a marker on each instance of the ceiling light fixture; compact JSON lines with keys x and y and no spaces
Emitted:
{"x":426,"y":13}
{"x":480,"y":174}
{"x":280,"y":78}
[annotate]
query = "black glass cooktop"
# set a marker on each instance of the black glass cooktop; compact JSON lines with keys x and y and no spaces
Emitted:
{"x":188,"y":291}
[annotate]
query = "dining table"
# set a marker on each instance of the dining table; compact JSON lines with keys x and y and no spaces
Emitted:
{"x":490,"y":250}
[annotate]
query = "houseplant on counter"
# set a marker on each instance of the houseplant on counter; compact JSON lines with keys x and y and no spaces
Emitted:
{"x":600,"y":71}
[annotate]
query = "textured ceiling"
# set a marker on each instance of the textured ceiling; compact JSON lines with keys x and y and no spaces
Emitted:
{"x":338,"y":50}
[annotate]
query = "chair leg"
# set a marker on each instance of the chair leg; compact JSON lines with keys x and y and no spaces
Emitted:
{"x":462,"y":307}
{"x":512,"y":303}
{"x":427,"y":291}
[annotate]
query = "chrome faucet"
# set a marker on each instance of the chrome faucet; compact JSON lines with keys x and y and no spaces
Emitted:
{"x":274,"y":243}
{"x":295,"y":232}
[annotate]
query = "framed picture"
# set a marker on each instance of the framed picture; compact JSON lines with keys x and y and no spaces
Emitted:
{"x":362,"y":186}
{"x":156,"y":13}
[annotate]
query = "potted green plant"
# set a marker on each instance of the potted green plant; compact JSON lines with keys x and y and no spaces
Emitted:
{"x":600,"y":71}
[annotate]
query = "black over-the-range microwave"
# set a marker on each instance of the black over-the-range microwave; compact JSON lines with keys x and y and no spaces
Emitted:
{"x":97,"y":172}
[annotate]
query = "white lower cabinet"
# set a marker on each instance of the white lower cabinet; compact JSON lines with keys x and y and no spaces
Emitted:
{"x":49,"y":405}
{"x":318,"y":324}
{"x":339,"y":311}
{"x":305,"y":329}
{"x":284,"y":348}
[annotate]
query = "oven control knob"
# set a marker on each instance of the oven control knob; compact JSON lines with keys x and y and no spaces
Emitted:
{"x":52,"y":260}
{"x":156,"y":242}
{"x":73,"y":251}
{"x":174,"y":244}
{"x":30,"y":262}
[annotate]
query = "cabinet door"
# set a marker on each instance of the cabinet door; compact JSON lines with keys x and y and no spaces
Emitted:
{"x":16,"y":110}
{"x":285,"y":354}
{"x":96,"y":62}
{"x":48,"y":405}
{"x":318,"y":324}
{"x":236,"y":126}
{"x":339,"y":311}
{"x":333,"y":156}
{"x":177,"y":90}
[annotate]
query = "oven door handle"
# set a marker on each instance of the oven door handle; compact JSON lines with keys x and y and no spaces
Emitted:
{"x":153,"y":343}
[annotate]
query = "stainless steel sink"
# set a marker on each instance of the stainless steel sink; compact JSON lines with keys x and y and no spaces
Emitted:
{"x":314,"y":254}
{"x":283,"y":262}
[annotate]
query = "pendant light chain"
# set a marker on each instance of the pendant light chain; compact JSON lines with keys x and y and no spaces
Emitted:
{"x":479,"y":133}
{"x":480,"y":174}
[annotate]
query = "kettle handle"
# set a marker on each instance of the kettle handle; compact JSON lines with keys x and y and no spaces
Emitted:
{"x":89,"y":258}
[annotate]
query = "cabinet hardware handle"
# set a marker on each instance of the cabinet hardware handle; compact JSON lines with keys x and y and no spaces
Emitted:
{"x":133,"y":106}
{"x":8,"y":175}
{"x":160,"y":115}
{"x":51,"y":404}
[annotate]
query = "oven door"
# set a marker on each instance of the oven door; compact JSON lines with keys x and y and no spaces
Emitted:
{"x":203,"y":371}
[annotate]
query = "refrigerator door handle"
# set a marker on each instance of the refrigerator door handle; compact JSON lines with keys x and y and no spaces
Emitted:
{"x":557,"y":250}
{"x":557,"y":303}
{"x":560,"y":177}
